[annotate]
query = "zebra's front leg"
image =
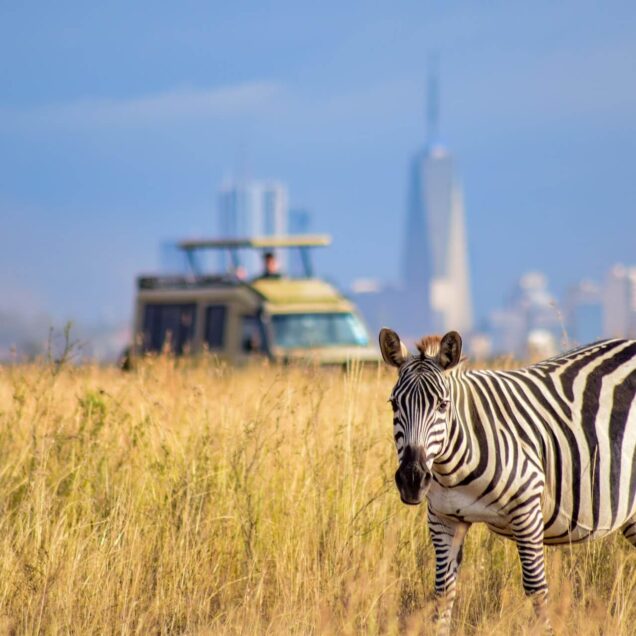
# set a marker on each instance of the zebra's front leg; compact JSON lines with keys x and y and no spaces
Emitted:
{"x":448,"y":541}
{"x":528,"y":531}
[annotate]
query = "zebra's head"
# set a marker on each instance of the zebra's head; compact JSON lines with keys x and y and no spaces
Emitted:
{"x":421,"y":407}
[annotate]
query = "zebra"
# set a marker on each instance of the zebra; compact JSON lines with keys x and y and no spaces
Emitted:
{"x":542,"y":455}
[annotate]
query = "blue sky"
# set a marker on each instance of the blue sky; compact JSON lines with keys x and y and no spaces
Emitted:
{"x":118,"y":123}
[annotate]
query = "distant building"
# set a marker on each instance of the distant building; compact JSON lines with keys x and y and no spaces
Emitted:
{"x":435,"y":273}
{"x":508,"y":332}
{"x":436,"y":255}
{"x":584,"y":313}
{"x":434,"y":293}
{"x":252,"y":208}
{"x":619,"y":303}
{"x":530,"y":325}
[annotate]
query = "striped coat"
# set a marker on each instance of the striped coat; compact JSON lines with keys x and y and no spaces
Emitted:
{"x":545,"y":454}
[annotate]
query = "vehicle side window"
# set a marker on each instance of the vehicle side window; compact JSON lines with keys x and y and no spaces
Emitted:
{"x":168,"y":325}
{"x":252,"y":335}
{"x":215,"y":326}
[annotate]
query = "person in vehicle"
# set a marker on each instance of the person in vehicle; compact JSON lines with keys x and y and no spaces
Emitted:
{"x":270,"y":266}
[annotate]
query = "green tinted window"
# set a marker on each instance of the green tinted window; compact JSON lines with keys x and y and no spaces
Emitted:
{"x":304,"y":331}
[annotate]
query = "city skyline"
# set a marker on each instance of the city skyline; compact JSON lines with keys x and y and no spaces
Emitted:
{"x":533,"y":321}
{"x":120,"y":140}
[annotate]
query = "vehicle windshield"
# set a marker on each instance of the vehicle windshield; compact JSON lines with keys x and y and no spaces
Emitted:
{"x":303,"y":331}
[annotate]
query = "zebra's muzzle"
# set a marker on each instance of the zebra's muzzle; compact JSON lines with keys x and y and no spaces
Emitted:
{"x":412,"y":479}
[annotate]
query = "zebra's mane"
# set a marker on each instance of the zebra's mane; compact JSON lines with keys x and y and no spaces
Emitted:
{"x":429,"y":347}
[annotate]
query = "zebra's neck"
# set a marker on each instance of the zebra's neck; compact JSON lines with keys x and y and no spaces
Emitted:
{"x":479,"y":423}
{"x":466,"y":438}
{"x":515,"y":411}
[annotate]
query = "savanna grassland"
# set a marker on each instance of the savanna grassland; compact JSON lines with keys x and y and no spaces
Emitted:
{"x":193,"y":498}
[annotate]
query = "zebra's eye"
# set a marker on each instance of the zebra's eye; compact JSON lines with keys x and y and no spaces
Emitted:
{"x":442,"y":406}
{"x":393,"y":404}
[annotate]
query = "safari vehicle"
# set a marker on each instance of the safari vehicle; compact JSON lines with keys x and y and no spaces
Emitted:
{"x":281,"y":317}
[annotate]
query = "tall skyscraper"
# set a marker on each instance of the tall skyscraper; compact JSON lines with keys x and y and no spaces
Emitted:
{"x":436,"y":255}
{"x":252,"y":208}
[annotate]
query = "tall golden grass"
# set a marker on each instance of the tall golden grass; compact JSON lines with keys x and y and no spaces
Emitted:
{"x":193,"y":498}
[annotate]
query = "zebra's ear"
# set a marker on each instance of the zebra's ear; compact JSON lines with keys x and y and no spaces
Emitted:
{"x":450,"y":350}
{"x":394,"y":351}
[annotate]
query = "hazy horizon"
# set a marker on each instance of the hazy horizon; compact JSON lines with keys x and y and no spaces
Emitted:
{"x":118,"y":125}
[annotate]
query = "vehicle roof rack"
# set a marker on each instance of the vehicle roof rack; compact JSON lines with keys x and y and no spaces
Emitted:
{"x":257,"y":242}
{"x":300,"y":241}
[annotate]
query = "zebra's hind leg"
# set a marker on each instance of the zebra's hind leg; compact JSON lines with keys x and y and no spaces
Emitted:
{"x":448,"y":541}
{"x":629,"y":530}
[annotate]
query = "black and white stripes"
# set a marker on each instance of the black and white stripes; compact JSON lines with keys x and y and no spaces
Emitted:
{"x":545,"y":454}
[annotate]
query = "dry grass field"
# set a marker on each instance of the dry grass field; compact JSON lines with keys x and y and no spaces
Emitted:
{"x":193,"y":498}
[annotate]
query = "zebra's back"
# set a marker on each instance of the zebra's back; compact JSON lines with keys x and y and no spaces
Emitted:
{"x":589,"y":410}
